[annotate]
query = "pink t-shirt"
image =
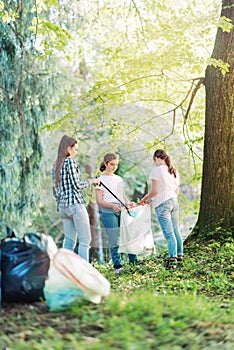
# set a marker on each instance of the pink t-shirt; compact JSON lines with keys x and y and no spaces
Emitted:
{"x":168,"y":184}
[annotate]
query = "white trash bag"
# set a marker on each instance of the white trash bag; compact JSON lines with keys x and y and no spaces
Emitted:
{"x":135,"y":230}
{"x":71,"y":277}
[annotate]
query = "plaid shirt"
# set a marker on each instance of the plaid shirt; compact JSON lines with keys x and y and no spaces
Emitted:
{"x":70,"y":189}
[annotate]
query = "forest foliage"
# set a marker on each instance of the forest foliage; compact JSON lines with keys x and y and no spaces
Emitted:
{"x":127,"y":89}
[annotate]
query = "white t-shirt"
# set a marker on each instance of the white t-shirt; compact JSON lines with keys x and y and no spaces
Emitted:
{"x":115,"y":184}
{"x":167,"y":184}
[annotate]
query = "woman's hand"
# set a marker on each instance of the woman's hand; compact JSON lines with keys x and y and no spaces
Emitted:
{"x":144,"y":199}
{"x":130,"y":204}
{"x":116,"y":208}
{"x":95,"y":181}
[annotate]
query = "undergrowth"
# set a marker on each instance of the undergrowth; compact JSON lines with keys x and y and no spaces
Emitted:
{"x":149,"y":307}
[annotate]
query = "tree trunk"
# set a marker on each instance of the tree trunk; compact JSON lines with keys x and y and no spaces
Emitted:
{"x":96,"y":251}
{"x":217,"y":192}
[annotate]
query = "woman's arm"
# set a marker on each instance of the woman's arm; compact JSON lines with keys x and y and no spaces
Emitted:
{"x":75,"y":178}
{"x":153,"y":192}
{"x":104,"y":204}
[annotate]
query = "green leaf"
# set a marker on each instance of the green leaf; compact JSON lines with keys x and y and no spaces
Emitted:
{"x":223,"y":66}
{"x":1,"y":6}
{"x":225,"y":24}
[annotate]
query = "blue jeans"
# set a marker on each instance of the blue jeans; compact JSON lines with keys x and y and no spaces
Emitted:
{"x":111,"y":222}
{"x":168,"y":218}
{"x":76,"y":229}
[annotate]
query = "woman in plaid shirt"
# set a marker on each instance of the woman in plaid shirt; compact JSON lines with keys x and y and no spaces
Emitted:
{"x":68,"y":191}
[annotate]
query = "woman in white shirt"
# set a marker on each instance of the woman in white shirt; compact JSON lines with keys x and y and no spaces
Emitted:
{"x":164,"y":190}
{"x":111,"y":208}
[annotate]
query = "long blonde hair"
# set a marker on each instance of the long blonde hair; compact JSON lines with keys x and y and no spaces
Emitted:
{"x":65,"y":142}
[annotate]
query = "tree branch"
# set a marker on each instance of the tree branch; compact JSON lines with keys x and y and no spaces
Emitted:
{"x":200,"y":82}
{"x":140,"y":78}
{"x":141,"y":21}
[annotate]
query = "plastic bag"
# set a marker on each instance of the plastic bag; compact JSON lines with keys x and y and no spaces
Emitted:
{"x":24,"y":266}
{"x":135,"y":230}
{"x":71,"y":277}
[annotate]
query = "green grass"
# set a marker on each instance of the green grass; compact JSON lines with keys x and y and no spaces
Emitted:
{"x":148,"y":308}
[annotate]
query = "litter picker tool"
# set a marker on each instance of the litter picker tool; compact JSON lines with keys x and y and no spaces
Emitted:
{"x":123,"y":204}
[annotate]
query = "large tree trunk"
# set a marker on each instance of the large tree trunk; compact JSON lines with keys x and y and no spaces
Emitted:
{"x":217,"y":193}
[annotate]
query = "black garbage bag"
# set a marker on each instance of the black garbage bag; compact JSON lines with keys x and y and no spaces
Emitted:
{"x":24,"y":266}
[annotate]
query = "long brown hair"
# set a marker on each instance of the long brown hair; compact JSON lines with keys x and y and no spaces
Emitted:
{"x":107,"y":158}
{"x":160,"y":153}
{"x":65,"y":142}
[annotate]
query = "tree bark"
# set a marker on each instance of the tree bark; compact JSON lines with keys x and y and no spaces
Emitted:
{"x":217,"y":192}
{"x":96,"y":251}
